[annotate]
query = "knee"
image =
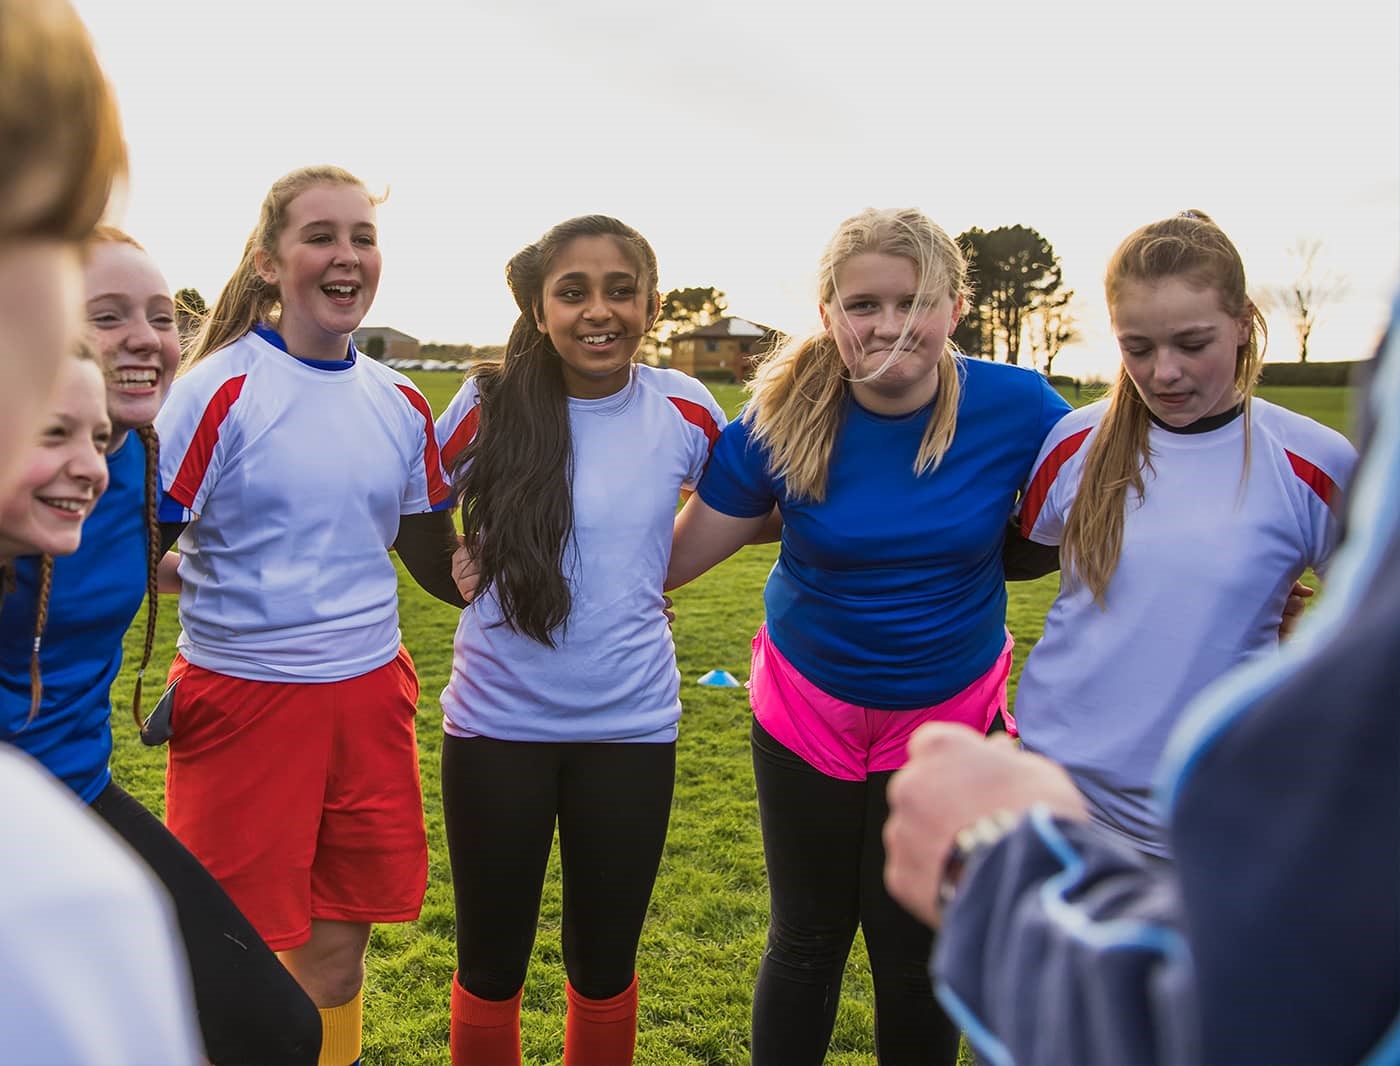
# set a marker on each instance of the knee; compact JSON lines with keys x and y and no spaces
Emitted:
{"x":807,"y":949}
{"x":331,"y":968}
{"x":331,"y":981}
{"x":341,"y":982}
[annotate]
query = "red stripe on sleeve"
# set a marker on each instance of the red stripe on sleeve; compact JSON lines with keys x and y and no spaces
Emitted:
{"x":195,"y":465}
{"x":1039,"y":490}
{"x":432,"y":461}
{"x":697,"y":415}
{"x":461,"y":437}
{"x":1314,"y":479}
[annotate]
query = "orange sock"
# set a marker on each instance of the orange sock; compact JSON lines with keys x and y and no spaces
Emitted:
{"x":485,"y":1032}
{"x":601,"y":1032}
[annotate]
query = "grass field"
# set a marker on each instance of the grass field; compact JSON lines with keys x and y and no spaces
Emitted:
{"x":705,"y":929}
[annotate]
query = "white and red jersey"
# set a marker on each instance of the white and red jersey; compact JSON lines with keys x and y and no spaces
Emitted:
{"x":1209,"y":555}
{"x":612,"y":673}
{"x":293,"y":479}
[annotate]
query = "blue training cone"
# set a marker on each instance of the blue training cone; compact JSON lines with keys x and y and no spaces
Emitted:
{"x":719,"y":679}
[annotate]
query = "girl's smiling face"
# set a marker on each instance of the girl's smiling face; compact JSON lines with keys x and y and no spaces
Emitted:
{"x":326,"y":269}
{"x":595,"y":308}
{"x":65,"y":470}
{"x":131,"y":323}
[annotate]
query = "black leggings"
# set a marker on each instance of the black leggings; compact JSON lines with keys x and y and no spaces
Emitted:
{"x":251,"y":1010}
{"x":826,"y":864}
{"x":500,"y":801}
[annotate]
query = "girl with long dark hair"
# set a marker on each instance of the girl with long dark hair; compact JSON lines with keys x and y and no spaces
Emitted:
{"x":568,"y":459}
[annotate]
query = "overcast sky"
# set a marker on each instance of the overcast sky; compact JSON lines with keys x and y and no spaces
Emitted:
{"x":736,"y":134}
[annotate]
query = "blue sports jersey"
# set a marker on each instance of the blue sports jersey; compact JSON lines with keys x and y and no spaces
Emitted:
{"x":96,"y":593}
{"x":890,"y":593}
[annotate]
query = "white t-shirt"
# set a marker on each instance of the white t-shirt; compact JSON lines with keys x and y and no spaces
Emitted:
{"x":1207,"y":564}
{"x":94,"y":973}
{"x":612,"y":674}
{"x":296,"y":477}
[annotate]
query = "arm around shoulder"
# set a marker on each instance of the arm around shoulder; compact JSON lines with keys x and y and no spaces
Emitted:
{"x":705,"y":537}
{"x":426,"y":543}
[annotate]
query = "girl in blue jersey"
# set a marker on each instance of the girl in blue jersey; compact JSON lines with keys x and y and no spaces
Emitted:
{"x":895,"y":464}
{"x":55,"y":698}
{"x":563,"y":704}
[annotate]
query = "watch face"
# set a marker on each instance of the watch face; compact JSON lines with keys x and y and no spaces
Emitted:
{"x":968,"y":840}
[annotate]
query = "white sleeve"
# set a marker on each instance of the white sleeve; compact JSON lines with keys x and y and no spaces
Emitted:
{"x":456,"y":426}
{"x":425,"y":488}
{"x":1049,"y":491}
{"x":198,"y":430}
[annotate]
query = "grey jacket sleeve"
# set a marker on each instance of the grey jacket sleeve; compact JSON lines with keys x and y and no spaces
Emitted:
{"x":1063,"y":946}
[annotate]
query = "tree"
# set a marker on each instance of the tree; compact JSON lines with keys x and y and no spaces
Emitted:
{"x":1053,"y":325}
{"x":681,"y":311}
{"x":686,"y":309}
{"x":189,"y":312}
{"x":374,"y":347}
{"x":1303,"y":299}
{"x":1014,"y":272}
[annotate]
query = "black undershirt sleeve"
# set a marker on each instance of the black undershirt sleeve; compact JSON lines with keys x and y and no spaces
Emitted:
{"x":1025,"y":560}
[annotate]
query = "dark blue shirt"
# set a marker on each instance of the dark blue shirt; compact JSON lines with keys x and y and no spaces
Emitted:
{"x":890,"y":593}
{"x":96,"y":593}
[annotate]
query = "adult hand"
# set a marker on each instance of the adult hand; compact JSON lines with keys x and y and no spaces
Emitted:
{"x":465,"y":572}
{"x":669,"y":610}
{"x":1293,"y":609}
{"x":953,"y":777}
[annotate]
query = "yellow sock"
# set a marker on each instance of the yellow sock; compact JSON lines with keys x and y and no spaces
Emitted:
{"x":340,"y":1032}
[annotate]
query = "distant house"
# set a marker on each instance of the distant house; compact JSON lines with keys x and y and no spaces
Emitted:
{"x":727,"y":346}
{"x":382,"y":342}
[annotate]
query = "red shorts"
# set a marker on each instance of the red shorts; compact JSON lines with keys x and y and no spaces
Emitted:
{"x":303,"y":800}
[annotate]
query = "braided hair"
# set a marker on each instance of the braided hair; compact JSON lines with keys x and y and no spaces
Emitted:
{"x":151,"y":443}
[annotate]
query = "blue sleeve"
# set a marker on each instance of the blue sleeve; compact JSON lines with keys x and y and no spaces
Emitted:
{"x":172,"y":510}
{"x":1053,"y":407}
{"x":1064,"y":947}
{"x":737,"y":482}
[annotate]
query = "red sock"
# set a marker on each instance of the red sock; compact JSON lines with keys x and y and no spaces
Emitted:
{"x":485,"y":1032}
{"x":601,"y":1032}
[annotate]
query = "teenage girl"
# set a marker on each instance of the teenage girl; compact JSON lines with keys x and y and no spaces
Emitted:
{"x":895,"y":463}
{"x":80,"y":607}
{"x":1184,"y":506}
{"x":298,"y":464}
{"x":563,"y":704}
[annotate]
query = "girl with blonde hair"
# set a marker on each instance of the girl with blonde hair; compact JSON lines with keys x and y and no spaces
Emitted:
{"x":1184,"y":506}
{"x":291,"y":466}
{"x":895,"y":463}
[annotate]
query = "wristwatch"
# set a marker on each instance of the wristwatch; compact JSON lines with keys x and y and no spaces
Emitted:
{"x":968,"y":840}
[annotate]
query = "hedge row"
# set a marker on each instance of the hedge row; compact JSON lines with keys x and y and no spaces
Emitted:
{"x":1308,"y":373}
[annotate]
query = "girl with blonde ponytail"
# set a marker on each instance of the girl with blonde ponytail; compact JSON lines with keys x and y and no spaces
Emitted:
{"x":290,"y":467}
{"x":894,"y":463}
{"x":1185,"y":507}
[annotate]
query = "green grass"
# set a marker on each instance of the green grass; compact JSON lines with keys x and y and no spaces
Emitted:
{"x":708,"y":916}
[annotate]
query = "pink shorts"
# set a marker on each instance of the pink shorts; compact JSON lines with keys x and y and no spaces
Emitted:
{"x":848,"y":742}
